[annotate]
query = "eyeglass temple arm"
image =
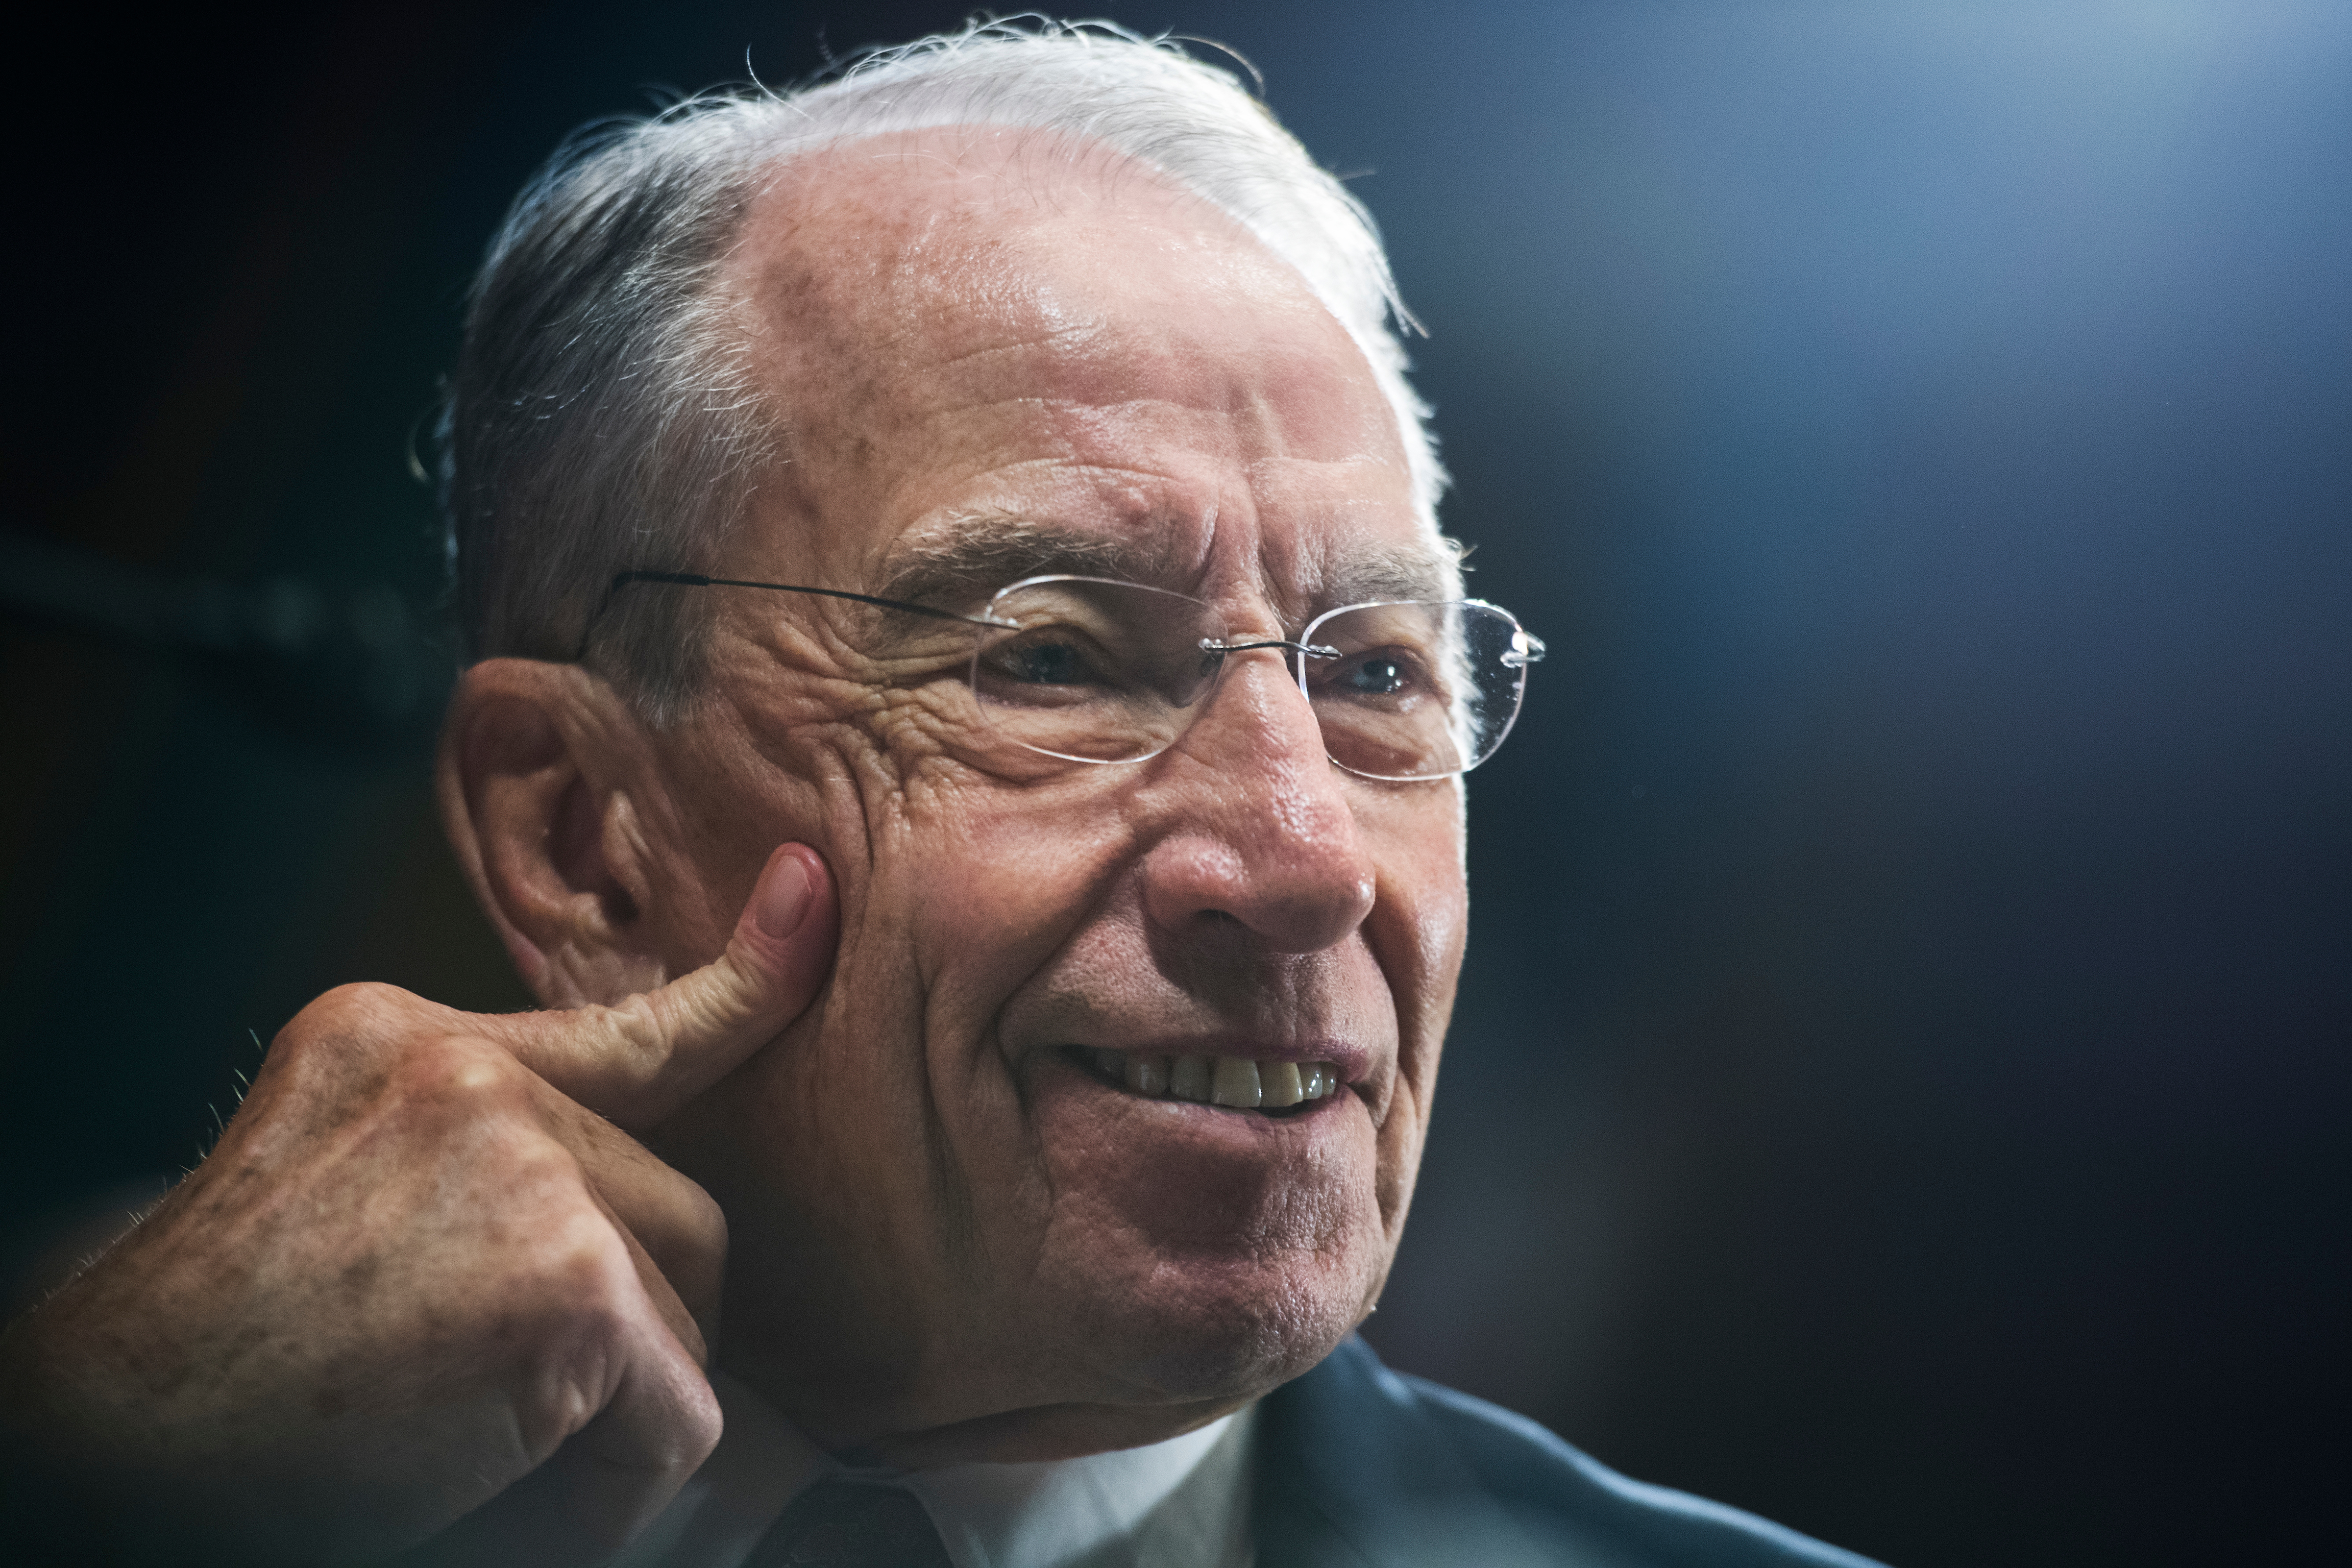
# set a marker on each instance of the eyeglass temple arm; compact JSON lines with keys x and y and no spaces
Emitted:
{"x":697,"y":580}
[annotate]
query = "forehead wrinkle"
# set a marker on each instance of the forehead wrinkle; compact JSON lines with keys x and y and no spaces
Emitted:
{"x":919,"y":246}
{"x":1128,"y":498}
{"x":1048,"y":339}
{"x":1078,"y":428}
{"x":912,"y":299}
{"x":1094,"y":392}
{"x":1083,"y":436}
{"x":895,"y":298}
{"x":982,"y":551}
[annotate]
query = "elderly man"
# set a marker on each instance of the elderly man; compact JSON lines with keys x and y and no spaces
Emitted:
{"x":989,"y":478}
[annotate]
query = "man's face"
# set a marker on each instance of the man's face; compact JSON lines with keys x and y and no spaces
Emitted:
{"x":991,"y":361}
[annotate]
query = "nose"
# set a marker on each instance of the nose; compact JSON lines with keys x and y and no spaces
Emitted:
{"x":1257,"y":827}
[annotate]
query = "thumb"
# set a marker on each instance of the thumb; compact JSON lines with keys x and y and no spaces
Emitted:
{"x":636,"y":1062}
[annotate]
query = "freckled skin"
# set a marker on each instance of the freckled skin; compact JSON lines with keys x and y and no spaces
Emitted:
{"x":946,"y":1240}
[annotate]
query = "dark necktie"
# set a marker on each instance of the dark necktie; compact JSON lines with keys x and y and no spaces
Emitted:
{"x":852,"y":1524}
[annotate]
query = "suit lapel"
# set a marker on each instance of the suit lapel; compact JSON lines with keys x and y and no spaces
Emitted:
{"x":1353,"y":1473}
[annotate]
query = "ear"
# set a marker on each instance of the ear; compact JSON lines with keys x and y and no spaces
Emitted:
{"x":533,"y":777}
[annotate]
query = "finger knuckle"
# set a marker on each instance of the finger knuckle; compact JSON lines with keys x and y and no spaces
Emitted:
{"x":638,"y":1030}
{"x":457,"y":1080}
{"x":703,"y":1222}
{"x":537,"y":1177}
{"x":690,"y":1244}
{"x":355,"y":1008}
{"x":334,"y":1021}
{"x":698,"y":1427}
{"x":344,"y":1034}
{"x":561,"y":1261}
{"x":731,"y":989}
{"x":579,"y":1253}
{"x":581,"y":1280}
{"x":568,"y":1359}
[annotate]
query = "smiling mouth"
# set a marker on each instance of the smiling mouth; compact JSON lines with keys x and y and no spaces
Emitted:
{"x":1236,"y":1083}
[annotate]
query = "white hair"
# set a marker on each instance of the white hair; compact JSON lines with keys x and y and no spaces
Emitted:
{"x":601,"y":417}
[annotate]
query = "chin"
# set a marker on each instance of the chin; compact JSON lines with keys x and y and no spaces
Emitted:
{"x":1183,"y":1323}
{"x":1198,"y":1253}
{"x":1235,"y":1350}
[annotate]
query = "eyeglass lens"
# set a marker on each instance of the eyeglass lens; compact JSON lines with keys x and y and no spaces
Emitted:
{"x":1105,"y":672}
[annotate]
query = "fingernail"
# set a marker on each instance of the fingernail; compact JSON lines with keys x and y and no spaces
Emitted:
{"x":784,"y":896}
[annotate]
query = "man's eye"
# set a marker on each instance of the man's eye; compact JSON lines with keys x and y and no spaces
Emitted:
{"x":1375,"y":675}
{"x":1048,"y":662}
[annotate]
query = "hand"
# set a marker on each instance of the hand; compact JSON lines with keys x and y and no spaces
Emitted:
{"x":426,"y":1262}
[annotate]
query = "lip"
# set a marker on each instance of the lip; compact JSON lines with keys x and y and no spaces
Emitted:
{"x":1066,"y":1084}
{"x":1190,"y":1181}
{"x":1352,"y":1062}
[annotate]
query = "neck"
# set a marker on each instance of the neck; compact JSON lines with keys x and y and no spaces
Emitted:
{"x":1025,"y":1436}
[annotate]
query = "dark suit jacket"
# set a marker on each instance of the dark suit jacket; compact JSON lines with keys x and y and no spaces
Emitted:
{"x":1361,"y":1468}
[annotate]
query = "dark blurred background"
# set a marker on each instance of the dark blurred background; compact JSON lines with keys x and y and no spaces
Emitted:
{"x":1900,"y":1084}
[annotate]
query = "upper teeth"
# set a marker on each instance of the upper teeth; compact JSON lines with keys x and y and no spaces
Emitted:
{"x":1238,"y":1081}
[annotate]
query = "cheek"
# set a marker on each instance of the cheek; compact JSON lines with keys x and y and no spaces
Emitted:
{"x":731,"y":796}
{"x":1418,"y":932}
{"x":964,"y":893}
{"x":977,"y":888}
{"x":1419,"y":922}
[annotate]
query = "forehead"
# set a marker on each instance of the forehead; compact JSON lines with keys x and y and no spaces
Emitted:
{"x":969,"y":331}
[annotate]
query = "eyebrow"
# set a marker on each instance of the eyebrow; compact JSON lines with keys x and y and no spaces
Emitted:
{"x":978,"y":554}
{"x":1394,"y":572}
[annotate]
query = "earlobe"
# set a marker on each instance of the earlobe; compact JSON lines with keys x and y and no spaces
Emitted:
{"x":532,"y":778}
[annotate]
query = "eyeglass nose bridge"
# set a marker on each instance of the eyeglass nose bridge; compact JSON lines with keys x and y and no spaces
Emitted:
{"x":1307,"y":649}
{"x":1217,"y":648}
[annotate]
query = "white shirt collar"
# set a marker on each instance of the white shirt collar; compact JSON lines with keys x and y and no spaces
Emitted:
{"x":1185,"y":1501}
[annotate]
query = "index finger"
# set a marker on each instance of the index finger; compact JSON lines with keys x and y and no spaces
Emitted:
{"x":636,"y":1062}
